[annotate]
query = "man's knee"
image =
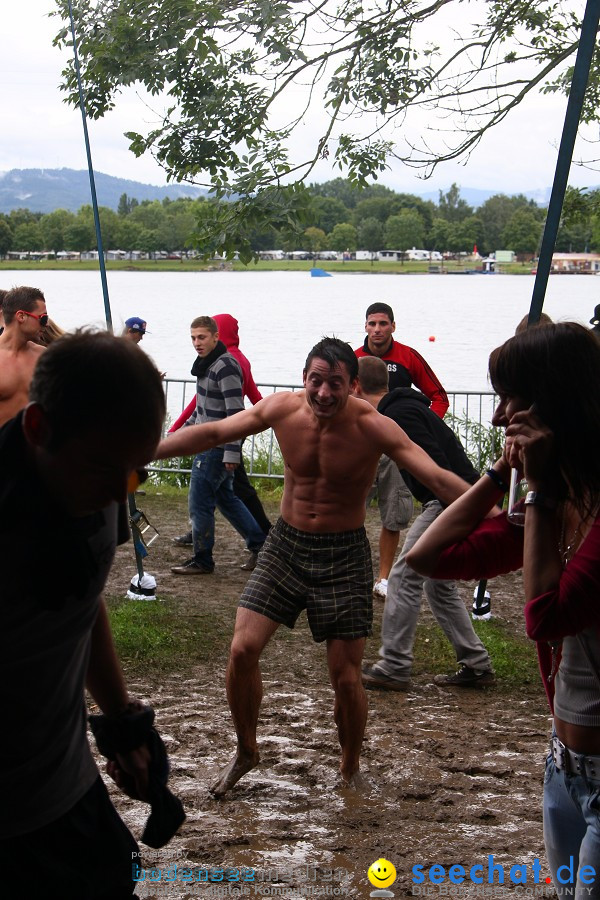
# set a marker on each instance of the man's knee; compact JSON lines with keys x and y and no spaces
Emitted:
{"x":345,"y":676}
{"x":244,"y":652}
{"x":252,"y":633}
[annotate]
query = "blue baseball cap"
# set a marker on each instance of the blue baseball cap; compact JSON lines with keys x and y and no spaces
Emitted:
{"x":136,"y":324}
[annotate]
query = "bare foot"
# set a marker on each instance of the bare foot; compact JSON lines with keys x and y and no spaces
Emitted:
{"x":231,"y":774}
{"x":360,"y":783}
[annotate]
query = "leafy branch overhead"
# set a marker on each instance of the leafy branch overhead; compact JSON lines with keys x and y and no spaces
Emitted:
{"x":234,"y":85}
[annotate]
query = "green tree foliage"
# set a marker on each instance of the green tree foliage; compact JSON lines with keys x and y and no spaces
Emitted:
{"x":495,"y":214}
{"x":452,"y":207}
{"x":28,"y":237}
{"x":379,"y":208}
{"x":174,"y":226}
{"x":54,"y":226}
{"x":439,"y":235}
{"x":574,"y":238}
{"x":370,"y":235}
{"x":126,"y":204}
{"x":20,"y":216}
{"x":341,"y":189}
{"x":470,"y":234}
{"x":580,"y":223}
{"x":328,"y":212}
{"x":110,"y":224}
{"x":6,"y":236}
{"x":523,"y":233}
{"x":425,"y":208}
{"x":232,"y":81}
{"x":315,"y":239}
{"x":343,"y":237}
{"x":78,"y":237}
{"x":405,"y":230}
{"x":128,"y":235}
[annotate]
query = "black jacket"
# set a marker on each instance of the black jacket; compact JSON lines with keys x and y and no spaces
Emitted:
{"x":410,"y":410}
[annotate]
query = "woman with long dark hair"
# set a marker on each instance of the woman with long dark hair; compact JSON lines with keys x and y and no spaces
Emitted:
{"x":548,"y":383}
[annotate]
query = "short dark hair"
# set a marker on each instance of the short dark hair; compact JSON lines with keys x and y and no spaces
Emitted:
{"x":90,"y":379}
{"x":380,"y":308}
{"x":544,"y":319}
{"x":20,"y":298}
{"x":557,"y":368}
{"x":205,"y":322}
{"x":3,"y":294}
{"x":333,"y":351}
{"x":373,"y":375}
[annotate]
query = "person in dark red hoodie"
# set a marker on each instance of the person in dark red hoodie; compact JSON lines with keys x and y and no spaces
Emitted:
{"x":229,"y":334}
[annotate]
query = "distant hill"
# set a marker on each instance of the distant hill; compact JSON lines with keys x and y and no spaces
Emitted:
{"x":44,"y":190}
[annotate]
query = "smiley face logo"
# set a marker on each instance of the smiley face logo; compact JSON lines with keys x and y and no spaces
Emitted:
{"x":381,"y":873}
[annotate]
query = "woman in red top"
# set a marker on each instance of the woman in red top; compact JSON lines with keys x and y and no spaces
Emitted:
{"x":548,"y":382}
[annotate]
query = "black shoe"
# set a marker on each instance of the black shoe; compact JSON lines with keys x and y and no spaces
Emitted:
{"x":374,"y":680}
{"x":466,"y":677}
{"x":251,"y":561}
{"x":184,"y":539}
{"x":191,"y":567}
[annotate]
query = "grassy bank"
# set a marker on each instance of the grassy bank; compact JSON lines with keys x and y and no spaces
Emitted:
{"x":156,"y":635}
{"x":166,"y":265}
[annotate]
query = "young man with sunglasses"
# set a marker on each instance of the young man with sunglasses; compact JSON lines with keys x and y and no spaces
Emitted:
{"x":25,"y":316}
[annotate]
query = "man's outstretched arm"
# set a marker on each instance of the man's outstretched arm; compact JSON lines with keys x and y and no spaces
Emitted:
{"x":197,"y":438}
{"x":407,"y":455}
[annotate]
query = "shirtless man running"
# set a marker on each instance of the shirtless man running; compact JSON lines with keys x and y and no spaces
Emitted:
{"x":317,"y":555}
{"x":25,"y":315}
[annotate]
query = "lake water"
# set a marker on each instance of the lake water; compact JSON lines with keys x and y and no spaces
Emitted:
{"x":282,"y":314}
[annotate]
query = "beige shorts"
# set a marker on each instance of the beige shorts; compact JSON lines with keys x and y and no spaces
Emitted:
{"x":395,"y":500}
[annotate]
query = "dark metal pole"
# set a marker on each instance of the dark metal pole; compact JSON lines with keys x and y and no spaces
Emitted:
{"x":107,"y":312}
{"x":581,"y":71}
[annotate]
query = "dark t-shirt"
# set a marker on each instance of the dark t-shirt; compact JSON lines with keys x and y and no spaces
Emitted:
{"x":53,"y":569}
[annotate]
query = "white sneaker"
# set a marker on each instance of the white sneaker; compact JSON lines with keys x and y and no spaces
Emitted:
{"x":380,"y":589}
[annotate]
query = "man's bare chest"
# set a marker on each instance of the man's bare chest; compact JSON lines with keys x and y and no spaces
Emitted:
{"x":331,"y":457}
{"x":15,"y":373}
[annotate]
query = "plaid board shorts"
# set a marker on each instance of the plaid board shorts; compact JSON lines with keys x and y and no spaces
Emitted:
{"x":330,"y":575}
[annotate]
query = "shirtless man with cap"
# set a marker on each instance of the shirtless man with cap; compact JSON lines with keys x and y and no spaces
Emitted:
{"x":317,"y":555}
{"x":25,"y":316}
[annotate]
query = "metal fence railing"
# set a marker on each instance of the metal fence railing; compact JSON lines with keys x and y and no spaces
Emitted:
{"x":469,"y":416}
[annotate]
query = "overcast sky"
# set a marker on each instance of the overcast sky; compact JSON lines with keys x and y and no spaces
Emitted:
{"x":40,"y":131}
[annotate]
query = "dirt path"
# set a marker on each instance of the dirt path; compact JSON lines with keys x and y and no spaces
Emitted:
{"x":458,"y":775}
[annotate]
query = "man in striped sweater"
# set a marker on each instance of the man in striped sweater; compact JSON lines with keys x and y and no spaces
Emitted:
{"x":218,"y":395}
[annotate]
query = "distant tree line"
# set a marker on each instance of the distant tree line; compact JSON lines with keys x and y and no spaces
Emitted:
{"x":338,"y":216}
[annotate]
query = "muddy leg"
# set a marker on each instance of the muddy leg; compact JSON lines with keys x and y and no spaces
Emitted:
{"x":244,"y":693}
{"x":350,"y":708}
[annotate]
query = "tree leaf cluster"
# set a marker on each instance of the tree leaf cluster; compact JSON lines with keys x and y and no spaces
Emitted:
{"x":231,"y":85}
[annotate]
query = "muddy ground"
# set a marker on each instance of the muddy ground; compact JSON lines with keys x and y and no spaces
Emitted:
{"x":458,"y":774}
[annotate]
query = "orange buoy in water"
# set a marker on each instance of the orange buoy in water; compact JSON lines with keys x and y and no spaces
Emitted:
{"x":432,"y":338}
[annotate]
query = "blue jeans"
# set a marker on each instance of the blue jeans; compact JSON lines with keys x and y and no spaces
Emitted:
{"x":572,"y":830}
{"x":211,"y":487}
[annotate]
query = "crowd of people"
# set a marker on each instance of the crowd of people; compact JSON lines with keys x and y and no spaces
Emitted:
{"x":71,"y":451}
